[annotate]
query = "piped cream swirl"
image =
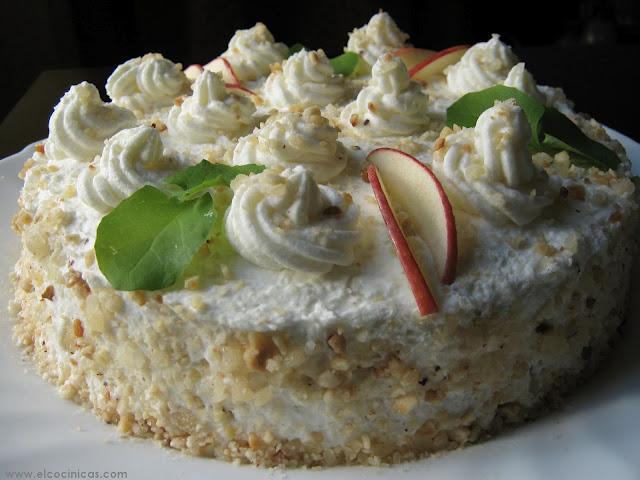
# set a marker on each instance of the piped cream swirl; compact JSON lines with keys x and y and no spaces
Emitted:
{"x":391,"y":105}
{"x":145,"y":83}
{"x":489,"y":169}
{"x":519,"y":77}
{"x":282,"y":219}
{"x":485,"y":64}
{"x":130,"y":159}
{"x":81,"y":122}
{"x":292,"y":138}
{"x":210,"y":112}
{"x":305,"y":79}
{"x":379,"y":36}
{"x":252,"y":51}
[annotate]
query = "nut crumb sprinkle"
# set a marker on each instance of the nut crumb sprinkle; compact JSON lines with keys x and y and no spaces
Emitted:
{"x":48,"y":293}
{"x":78,"y":329}
{"x":192,"y":283}
{"x":75,"y":281}
{"x":615,"y":217}
{"x":337,"y":343}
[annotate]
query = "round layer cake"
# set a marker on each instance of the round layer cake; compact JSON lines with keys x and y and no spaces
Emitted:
{"x":293,"y":336}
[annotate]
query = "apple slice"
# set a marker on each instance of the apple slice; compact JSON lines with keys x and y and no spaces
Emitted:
{"x":222,"y":66}
{"x":412,"y":56}
{"x":402,"y":183}
{"x":424,"y":299}
{"x":192,"y":72}
{"x":239,"y":89}
{"x":422,"y":71}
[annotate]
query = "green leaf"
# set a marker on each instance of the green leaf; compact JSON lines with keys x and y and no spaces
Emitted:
{"x":551,"y":131}
{"x":295,"y":48}
{"x":209,"y":263}
{"x":194,"y":180}
{"x":466,"y":110}
{"x":347,"y":64}
{"x":562,"y":134}
{"x":148,"y":240}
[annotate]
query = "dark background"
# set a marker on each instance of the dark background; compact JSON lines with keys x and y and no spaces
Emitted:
{"x":591,"y":48}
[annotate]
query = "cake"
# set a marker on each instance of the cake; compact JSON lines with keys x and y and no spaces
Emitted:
{"x":263,"y":261}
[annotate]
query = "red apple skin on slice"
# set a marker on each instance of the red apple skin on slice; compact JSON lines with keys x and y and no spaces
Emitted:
{"x":424,"y":299}
{"x":413,"y":189}
{"x":412,"y":56}
{"x":239,"y":89}
{"x":435,"y":64}
{"x":192,"y":72}
{"x":221,"y":65}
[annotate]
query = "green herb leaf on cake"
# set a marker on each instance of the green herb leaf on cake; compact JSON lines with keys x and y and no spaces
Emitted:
{"x":151,"y":237}
{"x":551,"y":131}
{"x":198,"y":178}
{"x":560,"y":133}
{"x":466,"y":110}
{"x":349,"y":63}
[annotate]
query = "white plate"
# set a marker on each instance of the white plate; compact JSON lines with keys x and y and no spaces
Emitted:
{"x":596,"y":436}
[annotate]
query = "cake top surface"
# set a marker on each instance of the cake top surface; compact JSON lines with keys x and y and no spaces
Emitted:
{"x":296,"y":238}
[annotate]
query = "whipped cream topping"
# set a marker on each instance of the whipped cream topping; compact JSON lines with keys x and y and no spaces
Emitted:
{"x":489,"y":169}
{"x":130,"y":159}
{"x":145,"y":83}
{"x":292,"y":138}
{"x":485,"y":64}
{"x":376,"y":38}
{"x":282,"y":219}
{"x":519,"y":77}
{"x":81,"y":122}
{"x":252,"y":51}
{"x":391,"y":105}
{"x":305,"y":79}
{"x":210,"y":112}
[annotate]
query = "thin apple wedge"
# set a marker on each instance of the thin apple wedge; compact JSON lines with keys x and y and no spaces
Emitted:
{"x":424,"y":299}
{"x":239,"y":89}
{"x":401,"y":183}
{"x":412,"y":56}
{"x":427,"y":68}
{"x":192,"y":72}
{"x":222,"y":66}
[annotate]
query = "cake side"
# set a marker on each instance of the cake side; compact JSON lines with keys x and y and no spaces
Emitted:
{"x":264,"y":399}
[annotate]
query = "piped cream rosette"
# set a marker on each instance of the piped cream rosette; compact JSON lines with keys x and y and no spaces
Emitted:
{"x":282,"y":219}
{"x":292,"y":138}
{"x":489,"y":169}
